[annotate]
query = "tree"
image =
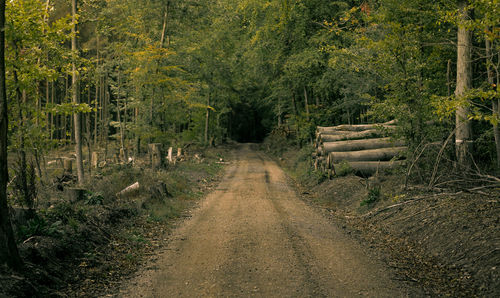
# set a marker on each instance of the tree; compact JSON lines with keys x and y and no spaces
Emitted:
{"x":75,"y":97}
{"x":8,"y":249}
{"x":464,"y":83}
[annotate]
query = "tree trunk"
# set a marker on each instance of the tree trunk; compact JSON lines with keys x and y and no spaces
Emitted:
{"x":349,"y":135}
{"x":207,"y":119}
{"x":106,"y":115}
{"x":8,"y":250}
{"x":122,"y":125}
{"x":381,"y":154}
{"x":354,"y":145}
{"x":52,"y":98}
{"x":357,"y":127}
{"x":464,"y":82}
{"x":165,"y":27}
{"x":96,"y":104}
{"x":21,"y":102}
{"x":495,"y":102}
{"x":368,"y":168}
{"x":306,"y":101}
{"x":75,"y":93}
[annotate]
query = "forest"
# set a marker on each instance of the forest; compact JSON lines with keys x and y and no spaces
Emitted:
{"x":101,"y":81}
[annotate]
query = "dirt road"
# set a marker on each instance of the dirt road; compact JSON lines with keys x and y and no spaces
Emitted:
{"x":253,"y":236}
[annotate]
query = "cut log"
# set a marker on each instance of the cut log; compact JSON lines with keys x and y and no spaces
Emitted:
{"x":368,"y":168}
{"x":179,"y":153}
{"x":381,"y":154}
{"x":332,"y":131}
{"x":155,"y":155}
{"x":356,"y":127}
{"x":354,"y":145}
{"x":132,"y":189}
{"x":366,"y":134}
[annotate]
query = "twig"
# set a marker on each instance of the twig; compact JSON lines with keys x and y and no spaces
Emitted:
{"x":438,"y":158}
{"x":419,"y":212}
{"x":375,"y":212}
{"x":11,"y":181}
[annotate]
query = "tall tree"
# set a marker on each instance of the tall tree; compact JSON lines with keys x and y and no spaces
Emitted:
{"x":464,"y":83}
{"x":75,"y":97}
{"x":8,"y":249}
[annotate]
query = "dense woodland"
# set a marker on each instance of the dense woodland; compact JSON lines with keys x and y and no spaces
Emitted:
{"x":122,"y":73}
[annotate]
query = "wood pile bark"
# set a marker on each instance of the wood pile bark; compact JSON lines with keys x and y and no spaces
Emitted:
{"x":363,"y":148}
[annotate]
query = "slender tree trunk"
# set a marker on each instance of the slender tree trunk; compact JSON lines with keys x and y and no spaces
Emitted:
{"x":207,"y":118}
{"x":8,"y":249}
{"x":165,"y":27}
{"x":64,"y":117}
{"x":122,"y":125}
{"x":306,"y":100}
{"x":495,"y":102}
{"x":464,"y":82}
{"x":448,"y":77}
{"x":47,"y":100}
{"x":96,"y":104}
{"x":89,"y":131}
{"x":52,"y":96}
{"x":106,"y":115}
{"x":75,"y":93}
{"x":21,"y":102}
{"x":137,"y":136}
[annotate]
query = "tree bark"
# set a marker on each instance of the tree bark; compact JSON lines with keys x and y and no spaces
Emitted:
{"x":165,"y":27}
{"x":96,"y":104}
{"x":349,"y":135}
{"x":306,"y":101}
{"x":464,"y":83}
{"x":368,"y":168}
{"x":207,"y":119}
{"x":8,"y":249}
{"x":354,"y":145}
{"x":122,"y":125}
{"x":495,"y":102}
{"x":357,"y":127}
{"x":77,"y":117}
{"x":381,"y":154}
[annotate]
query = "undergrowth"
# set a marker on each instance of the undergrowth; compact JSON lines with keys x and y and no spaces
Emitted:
{"x":73,"y":233}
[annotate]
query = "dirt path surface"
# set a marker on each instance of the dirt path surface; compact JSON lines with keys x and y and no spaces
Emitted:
{"x":253,"y":236}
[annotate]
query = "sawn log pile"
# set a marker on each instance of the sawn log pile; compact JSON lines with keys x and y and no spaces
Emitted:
{"x":364,"y":148}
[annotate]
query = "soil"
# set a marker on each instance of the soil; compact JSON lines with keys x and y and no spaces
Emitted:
{"x":254,"y":236}
{"x":447,"y":242}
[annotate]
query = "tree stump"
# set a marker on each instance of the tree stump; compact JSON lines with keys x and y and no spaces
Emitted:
{"x":95,"y":159}
{"x":124,"y":155}
{"x":155,"y":155}
{"x":76,"y":194}
{"x":170,"y":156}
{"x":68,"y":166}
{"x":179,"y":153}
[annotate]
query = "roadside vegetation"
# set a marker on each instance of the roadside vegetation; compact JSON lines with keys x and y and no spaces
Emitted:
{"x":84,"y":246}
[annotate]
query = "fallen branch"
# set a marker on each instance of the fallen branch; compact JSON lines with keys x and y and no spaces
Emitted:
{"x":377,"y":211}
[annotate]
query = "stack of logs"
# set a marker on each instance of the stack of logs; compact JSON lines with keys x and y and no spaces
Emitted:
{"x":365,"y":147}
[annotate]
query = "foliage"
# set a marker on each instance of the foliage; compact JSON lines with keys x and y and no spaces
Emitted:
{"x":38,"y":226}
{"x":374,"y":194}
